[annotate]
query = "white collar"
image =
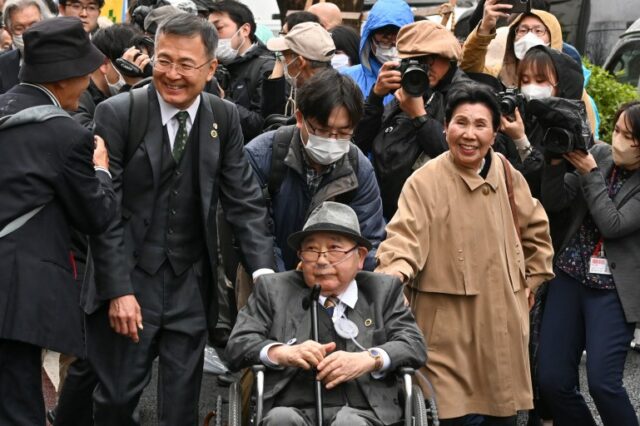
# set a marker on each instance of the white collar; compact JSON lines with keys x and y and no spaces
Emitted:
{"x":46,"y":91}
{"x":168,"y":111}
{"x":349,"y":297}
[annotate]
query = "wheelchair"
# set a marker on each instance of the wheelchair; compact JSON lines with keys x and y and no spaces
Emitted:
{"x":248,"y":410}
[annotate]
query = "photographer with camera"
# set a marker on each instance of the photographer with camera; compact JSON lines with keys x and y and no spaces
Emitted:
{"x":551,"y":84}
{"x":594,"y":301}
{"x":405,"y":133}
{"x":126,"y":63}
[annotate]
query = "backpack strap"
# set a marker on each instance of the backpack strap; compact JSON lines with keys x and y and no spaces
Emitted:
{"x":35,"y":114}
{"x":138,"y":120}
{"x":279,"y":150}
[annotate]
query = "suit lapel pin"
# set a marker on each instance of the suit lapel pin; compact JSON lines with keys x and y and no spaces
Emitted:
{"x":368,"y":322}
{"x":214,"y":131}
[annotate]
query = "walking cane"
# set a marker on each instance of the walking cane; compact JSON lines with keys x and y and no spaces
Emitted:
{"x":311,"y":302}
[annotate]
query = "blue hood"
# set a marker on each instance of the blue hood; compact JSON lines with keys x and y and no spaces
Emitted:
{"x":383,"y":13}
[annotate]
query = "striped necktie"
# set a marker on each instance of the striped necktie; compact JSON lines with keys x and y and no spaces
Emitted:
{"x":330,"y":303}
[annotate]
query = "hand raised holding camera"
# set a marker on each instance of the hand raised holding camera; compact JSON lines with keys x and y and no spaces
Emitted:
{"x":413,"y":106}
{"x":493,"y":10}
{"x":389,"y":79}
{"x":512,"y":126}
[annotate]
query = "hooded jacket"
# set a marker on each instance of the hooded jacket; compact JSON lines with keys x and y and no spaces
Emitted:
{"x":476,"y":45}
{"x":383,"y":13}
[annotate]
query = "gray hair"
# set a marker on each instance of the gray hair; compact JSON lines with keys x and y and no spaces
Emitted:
{"x":14,"y":5}
{"x":187,"y":25}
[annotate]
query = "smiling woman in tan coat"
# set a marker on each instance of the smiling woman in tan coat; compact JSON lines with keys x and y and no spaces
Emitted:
{"x":470,"y":266}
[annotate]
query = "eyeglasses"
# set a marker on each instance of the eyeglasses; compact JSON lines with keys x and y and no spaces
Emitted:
{"x":79,"y":7}
{"x":326,"y":133}
{"x":539,"y":31}
{"x":164,"y":65}
{"x":332,"y":255}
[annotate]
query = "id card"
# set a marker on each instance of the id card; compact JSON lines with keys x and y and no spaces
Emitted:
{"x":599,"y":265}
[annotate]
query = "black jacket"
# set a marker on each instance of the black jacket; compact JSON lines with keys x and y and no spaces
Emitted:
{"x":9,"y":68}
{"x":224,"y":174}
{"x":47,"y":163}
{"x":389,"y":136}
{"x":245,"y":87}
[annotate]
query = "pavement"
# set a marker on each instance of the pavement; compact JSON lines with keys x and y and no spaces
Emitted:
{"x":210,"y":390}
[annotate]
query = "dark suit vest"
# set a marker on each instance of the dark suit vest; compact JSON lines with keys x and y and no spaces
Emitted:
{"x":176,"y":230}
{"x":300,"y":390}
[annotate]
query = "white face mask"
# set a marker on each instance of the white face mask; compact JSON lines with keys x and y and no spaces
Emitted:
{"x":536,"y":91}
{"x":225,"y":53}
{"x":18,"y":43}
{"x":114,"y":88}
{"x":291,"y":79}
{"x":385,"y":54}
{"x":325,"y":151}
{"x":340,"y":61}
{"x":522,"y":46}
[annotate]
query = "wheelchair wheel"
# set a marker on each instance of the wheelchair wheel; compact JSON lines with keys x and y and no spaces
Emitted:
{"x":235,"y":405}
{"x":419,"y":407}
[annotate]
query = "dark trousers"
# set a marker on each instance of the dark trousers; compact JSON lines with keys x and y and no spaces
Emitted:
{"x":21,"y":400}
{"x":575,"y":318}
{"x":479,"y":420}
{"x":175,"y":330}
{"x":75,"y":403}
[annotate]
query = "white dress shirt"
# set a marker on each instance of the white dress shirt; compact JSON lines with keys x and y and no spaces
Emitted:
{"x":168,"y":114}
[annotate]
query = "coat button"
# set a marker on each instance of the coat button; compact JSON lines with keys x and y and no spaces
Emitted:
{"x":170,"y":231}
{"x":613,"y":265}
{"x":173,"y":212}
{"x":485,"y":190}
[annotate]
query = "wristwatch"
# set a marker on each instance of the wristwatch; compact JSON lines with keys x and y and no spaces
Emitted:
{"x":377,"y":356}
{"x":419,"y":121}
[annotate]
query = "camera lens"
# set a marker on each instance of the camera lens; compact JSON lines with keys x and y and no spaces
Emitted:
{"x":415,"y":81}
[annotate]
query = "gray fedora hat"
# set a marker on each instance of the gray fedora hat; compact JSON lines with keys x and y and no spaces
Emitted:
{"x":331,"y":217}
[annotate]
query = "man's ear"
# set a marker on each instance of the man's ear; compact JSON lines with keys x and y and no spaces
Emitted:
{"x":362,"y":255}
{"x":212,"y":69}
{"x":299,"y":119}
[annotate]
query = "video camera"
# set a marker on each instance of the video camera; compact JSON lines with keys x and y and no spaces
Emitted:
{"x":144,"y":45}
{"x":509,"y":100}
{"x":565,"y":124}
{"x":415,"y":77}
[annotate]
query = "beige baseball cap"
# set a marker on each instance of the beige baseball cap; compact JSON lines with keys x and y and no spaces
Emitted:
{"x":308,"y":39}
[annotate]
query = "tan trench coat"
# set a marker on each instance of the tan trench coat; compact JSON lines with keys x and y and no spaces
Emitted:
{"x":454,"y":237}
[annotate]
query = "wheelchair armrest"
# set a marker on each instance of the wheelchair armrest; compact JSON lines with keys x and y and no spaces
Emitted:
{"x":258,"y":371}
{"x":405,"y":370}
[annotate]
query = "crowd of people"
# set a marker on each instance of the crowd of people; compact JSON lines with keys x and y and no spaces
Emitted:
{"x":186,"y":177}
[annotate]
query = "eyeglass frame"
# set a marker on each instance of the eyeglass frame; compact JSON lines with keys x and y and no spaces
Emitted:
{"x":534,"y":30}
{"x":79,"y":7}
{"x":179,"y":68}
{"x":326,"y":133}
{"x":326,"y":253}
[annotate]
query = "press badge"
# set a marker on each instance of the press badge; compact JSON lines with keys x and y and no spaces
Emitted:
{"x":599,"y":265}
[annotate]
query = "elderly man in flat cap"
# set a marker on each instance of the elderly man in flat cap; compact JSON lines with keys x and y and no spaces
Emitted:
{"x":409,"y":130}
{"x":274,"y":329}
{"x":53,"y":176}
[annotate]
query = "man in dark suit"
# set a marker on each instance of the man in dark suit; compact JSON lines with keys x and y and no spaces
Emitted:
{"x":274,"y":329}
{"x":47,"y":178}
{"x":18,"y":16}
{"x":153,"y":266}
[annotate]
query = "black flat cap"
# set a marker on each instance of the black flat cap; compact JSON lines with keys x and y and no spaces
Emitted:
{"x":58,"y":49}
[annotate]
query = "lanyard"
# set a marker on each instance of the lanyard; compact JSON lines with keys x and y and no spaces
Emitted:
{"x":598,"y":251}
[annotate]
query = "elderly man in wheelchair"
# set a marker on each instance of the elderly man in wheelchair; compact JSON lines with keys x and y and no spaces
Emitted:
{"x":365,"y":332}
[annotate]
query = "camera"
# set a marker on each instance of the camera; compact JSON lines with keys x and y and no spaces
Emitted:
{"x":415,"y":77}
{"x":565,"y":124}
{"x":223,"y":77}
{"x":509,"y":100}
